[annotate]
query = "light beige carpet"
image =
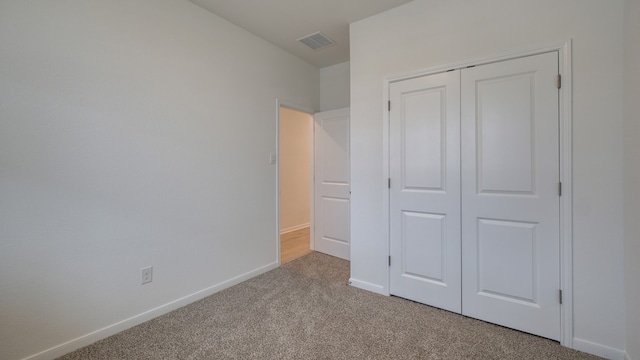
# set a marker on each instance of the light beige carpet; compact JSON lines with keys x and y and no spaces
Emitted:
{"x":306,"y":310}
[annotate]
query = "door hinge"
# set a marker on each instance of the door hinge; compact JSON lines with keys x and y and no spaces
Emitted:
{"x":389,"y":105}
{"x":559,"y":81}
{"x":389,"y":183}
{"x":560,"y":296}
{"x":559,"y":189}
{"x":389,"y":260}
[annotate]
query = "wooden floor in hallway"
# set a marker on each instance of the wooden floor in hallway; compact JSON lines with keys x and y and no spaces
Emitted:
{"x":294,"y":244}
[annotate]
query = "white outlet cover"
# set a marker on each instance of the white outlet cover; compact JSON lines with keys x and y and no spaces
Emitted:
{"x":146,"y":275}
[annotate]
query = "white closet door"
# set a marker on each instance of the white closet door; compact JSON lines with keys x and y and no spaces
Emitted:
{"x":425,"y":190}
{"x":331,"y":186}
{"x":510,"y":200}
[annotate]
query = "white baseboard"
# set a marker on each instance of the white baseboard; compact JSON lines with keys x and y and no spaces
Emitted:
{"x":578,"y":344}
{"x":367,"y":286}
{"x":598,"y":349}
{"x":294,"y":228}
{"x":113,"y":329}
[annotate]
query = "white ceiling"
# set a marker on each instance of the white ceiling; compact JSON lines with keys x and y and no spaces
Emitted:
{"x":282,"y":22}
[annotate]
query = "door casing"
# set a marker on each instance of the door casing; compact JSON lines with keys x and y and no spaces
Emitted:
{"x":565,"y":130}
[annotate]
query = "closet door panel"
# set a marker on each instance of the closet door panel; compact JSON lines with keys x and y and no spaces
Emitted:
{"x":510,"y":201}
{"x":425,"y":190}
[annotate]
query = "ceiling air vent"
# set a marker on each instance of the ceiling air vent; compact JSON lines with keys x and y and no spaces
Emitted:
{"x":316,"y":41}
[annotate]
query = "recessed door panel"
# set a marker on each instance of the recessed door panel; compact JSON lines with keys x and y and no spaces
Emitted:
{"x":422,"y":139}
{"x":425,"y":190}
{"x":505,"y":116}
{"x":334,"y":147}
{"x":335,"y":219}
{"x":423,"y":246}
{"x":495,"y":238}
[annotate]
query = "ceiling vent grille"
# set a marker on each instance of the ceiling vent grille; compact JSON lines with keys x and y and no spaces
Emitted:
{"x":317,"y":41}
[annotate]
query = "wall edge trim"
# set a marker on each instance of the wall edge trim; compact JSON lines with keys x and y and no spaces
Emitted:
{"x":294,"y":228}
{"x":90,"y":338}
{"x":598,"y":349}
{"x":378,"y":289}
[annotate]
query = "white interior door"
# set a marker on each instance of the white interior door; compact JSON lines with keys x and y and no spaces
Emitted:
{"x":510,"y":199}
{"x":332,"y":185}
{"x":425,"y":190}
{"x":474,"y":192}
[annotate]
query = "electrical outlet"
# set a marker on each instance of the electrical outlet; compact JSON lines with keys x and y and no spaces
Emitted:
{"x":146,"y":275}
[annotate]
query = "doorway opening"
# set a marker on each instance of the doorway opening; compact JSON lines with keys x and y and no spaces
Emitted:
{"x":295,"y":182}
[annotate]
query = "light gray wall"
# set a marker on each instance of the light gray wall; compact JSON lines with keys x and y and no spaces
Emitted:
{"x":632,"y":174}
{"x":132,"y":133}
{"x":334,"y":87}
{"x":428,"y":33}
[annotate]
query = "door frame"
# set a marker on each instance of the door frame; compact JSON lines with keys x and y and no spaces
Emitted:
{"x":565,"y":130}
{"x":296,"y":107}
